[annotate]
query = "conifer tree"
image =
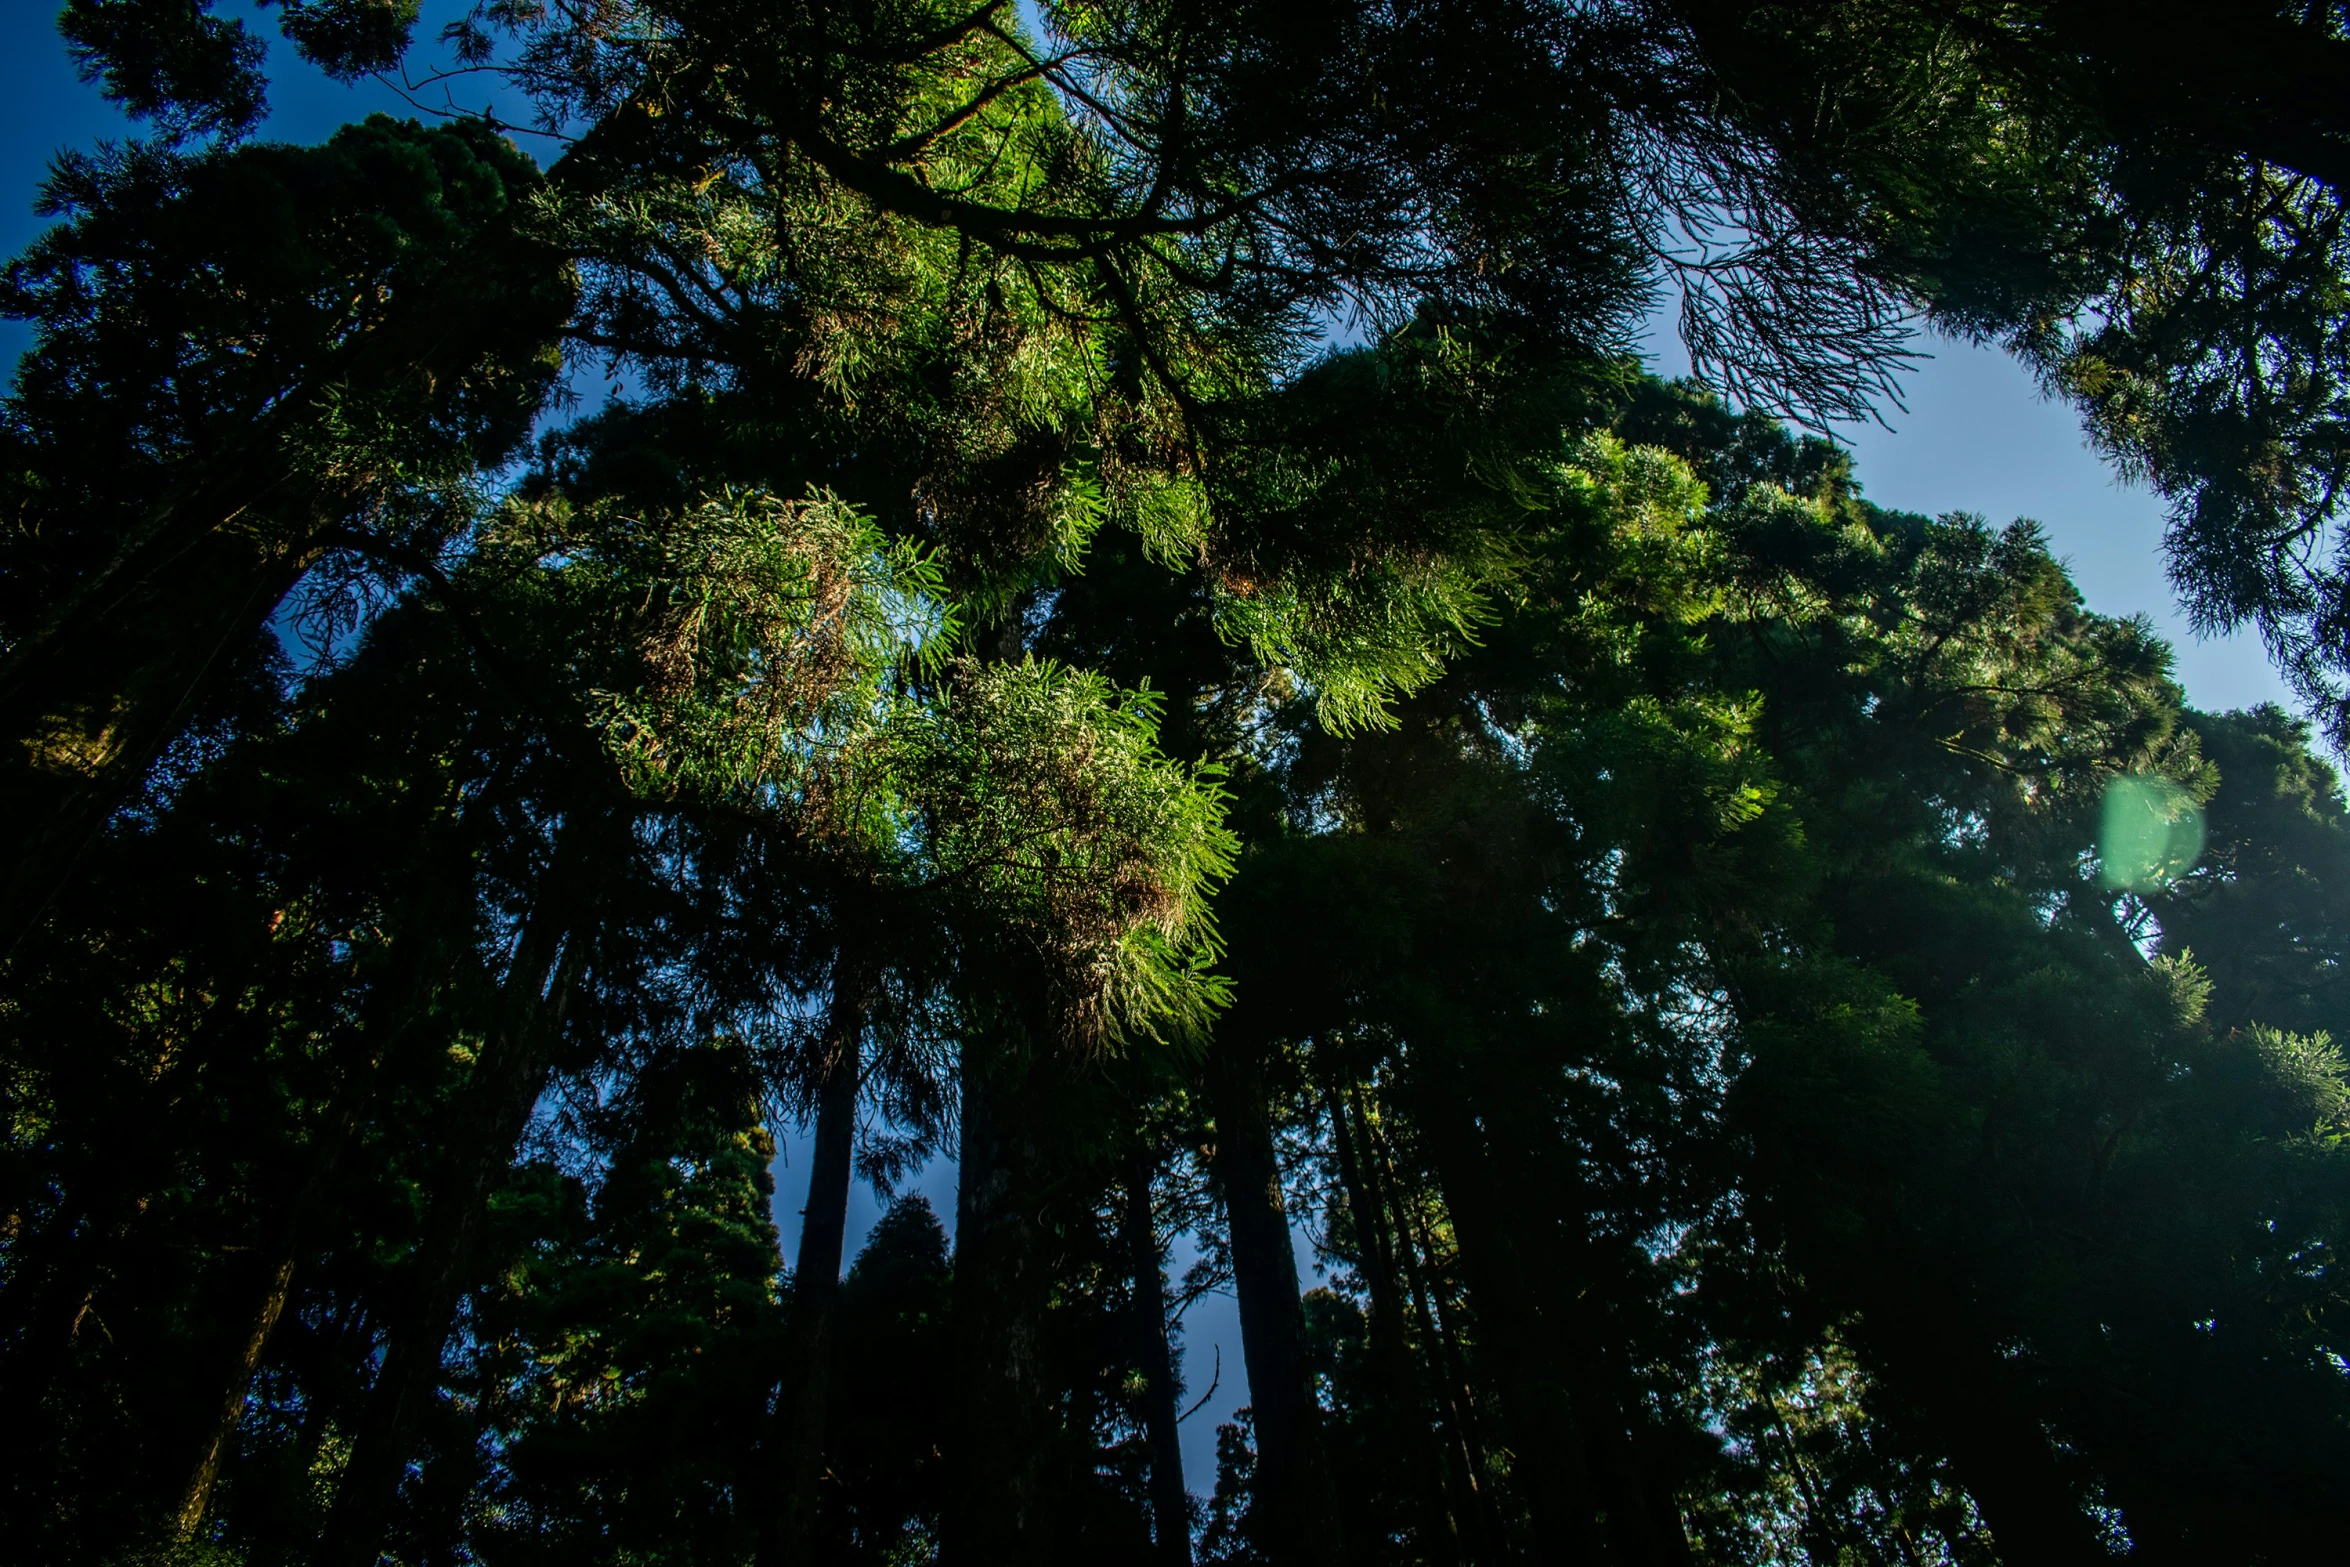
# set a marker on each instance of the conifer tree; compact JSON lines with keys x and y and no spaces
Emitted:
{"x":1668,"y":960}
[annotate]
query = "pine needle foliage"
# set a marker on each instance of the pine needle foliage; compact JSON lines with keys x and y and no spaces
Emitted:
{"x":1130,"y":620}
{"x":773,"y":637}
{"x":1086,"y":857}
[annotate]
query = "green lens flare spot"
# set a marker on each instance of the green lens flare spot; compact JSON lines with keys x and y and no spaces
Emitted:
{"x":2151,"y":832}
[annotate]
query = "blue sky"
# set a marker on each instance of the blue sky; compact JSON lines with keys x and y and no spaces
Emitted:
{"x":1977,"y":437}
{"x":44,"y":107}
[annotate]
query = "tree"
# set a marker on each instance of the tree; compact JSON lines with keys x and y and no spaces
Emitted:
{"x":2144,"y":207}
{"x":185,"y":306}
{"x":625,"y":1354}
{"x":1667,"y":949}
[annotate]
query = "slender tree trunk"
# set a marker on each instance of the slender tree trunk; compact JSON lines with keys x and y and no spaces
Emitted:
{"x":1454,"y":1397}
{"x":508,"y":1079}
{"x":1296,"y":1512}
{"x":1431,"y":1463}
{"x":1170,"y":1500}
{"x":800,"y":1408}
{"x":196,"y":1496}
{"x":1001,"y":1429}
{"x":1594,"y":1478}
{"x":1456,"y":1400}
{"x":1554,"y":1470}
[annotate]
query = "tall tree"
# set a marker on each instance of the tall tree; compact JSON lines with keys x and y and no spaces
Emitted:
{"x":1670,"y":940}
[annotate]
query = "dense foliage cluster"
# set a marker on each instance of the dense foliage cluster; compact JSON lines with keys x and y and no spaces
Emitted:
{"x":1131,"y":622}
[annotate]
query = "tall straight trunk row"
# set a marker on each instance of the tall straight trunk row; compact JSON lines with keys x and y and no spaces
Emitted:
{"x":1295,"y":1514}
{"x":1586,"y":1461}
{"x":1449,"y":1457}
{"x":1001,"y":1424}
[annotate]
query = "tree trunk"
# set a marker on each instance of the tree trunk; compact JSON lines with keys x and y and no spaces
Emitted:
{"x":1432,"y":1464}
{"x":1455,"y":1399}
{"x":197,"y":1495}
{"x":800,"y":1408}
{"x":1170,"y":1500}
{"x":1295,"y":1511}
{"x":1553,"y":1469}
{"x":1001,"y":1429}
{"x":1586,"y":1449}
{"x":508,"y":1079}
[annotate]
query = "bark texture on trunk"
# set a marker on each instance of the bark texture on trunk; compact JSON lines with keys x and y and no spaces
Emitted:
{"x":1435,"y":1459}
{"x":800,"y":1406}
{"x":1295,"y":1513}
{"x":1002,"y":1428}
{"x":1170,"y":1500}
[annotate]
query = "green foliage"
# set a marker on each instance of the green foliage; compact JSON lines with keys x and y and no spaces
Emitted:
{"x":1812,"y":1476}
{"x":885,"y":1490}
{"x":1375,"y":507}
{"x":1045,"y":806}
{"x":178,"y":65}
{"x":1645,"y":900}
{"x":627,"y":1347}
{"x":233,"y":386}
{"x":348,"y":39}
{"x":2146,"y":208}
{"x":172,"y":270}
{"x":769,"y":632}
{"x":2258,"y":909}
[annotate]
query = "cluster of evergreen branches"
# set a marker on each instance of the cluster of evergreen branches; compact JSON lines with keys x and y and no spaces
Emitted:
{"x":1132,"y":622}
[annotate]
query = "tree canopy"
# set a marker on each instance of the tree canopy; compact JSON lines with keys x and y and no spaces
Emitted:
{"x":1132,"y":620}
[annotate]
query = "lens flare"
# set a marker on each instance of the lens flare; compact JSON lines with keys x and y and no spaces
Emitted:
{"x":2152,"y":832}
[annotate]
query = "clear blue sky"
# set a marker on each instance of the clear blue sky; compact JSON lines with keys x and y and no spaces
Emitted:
{"x":1977,"y":437}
